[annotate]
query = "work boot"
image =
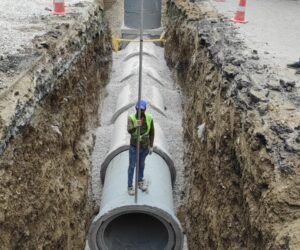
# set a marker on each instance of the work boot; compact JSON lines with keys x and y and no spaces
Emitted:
{"x":130,"y":190}
{"x":295,"y":65}
{"x":142,"y":186}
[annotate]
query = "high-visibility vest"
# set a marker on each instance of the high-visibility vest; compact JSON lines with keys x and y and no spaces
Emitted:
{"x":148,"y":122}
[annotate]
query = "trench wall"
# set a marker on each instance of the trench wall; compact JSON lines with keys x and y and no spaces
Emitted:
{"x":46,"y":145}
{"x":241,"y":149}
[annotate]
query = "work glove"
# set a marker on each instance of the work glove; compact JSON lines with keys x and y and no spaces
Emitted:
{"x":150,"y":150}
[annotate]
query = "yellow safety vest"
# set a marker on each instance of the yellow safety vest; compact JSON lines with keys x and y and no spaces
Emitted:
{"x":148,"y":122}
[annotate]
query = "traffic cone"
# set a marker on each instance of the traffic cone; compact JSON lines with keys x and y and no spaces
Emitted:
{"x":240,"y":13}
{"x":59,"y":7}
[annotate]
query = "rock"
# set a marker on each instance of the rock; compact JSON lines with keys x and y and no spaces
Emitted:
{"x":242,"y":81}
{"x":230,"y":71}
{"x":298,"y":138}
{"x":201,"y":131}
{"x":287,"y":170}
{"x":292,"y":147}
{"x":254,"y":65}
{"x":258,"y":80}
{"x":274,"y":85}
{"x":56,"y":129}
{"x":261,"y":138}
{"x":209,"y":77}
{"x":44,"y":45}
{"x":285,"y":82}
{"x":289,"y":148}
{"x":281,"y":128}
{"x":288,"y":85}
{"x":255,"y":57}
{"x":257,"y":96}
{"x":263,"y":108}
{"x":238,"y":61}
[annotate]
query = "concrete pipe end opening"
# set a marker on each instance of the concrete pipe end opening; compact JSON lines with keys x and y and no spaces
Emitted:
{"x":137,"y":229}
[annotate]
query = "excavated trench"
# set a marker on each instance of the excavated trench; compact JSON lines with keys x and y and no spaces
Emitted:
{"x":241,"y":137}
{"x":47,"y":119}
{"x":241,"y":150}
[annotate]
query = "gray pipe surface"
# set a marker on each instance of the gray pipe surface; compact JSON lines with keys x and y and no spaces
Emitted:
{"x":152,"y":14}
{"x":151,"y":223}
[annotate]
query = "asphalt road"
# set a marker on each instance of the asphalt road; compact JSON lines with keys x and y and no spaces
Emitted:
{"x":273,"y":27}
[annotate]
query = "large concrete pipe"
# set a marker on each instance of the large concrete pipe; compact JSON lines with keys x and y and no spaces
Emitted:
{"x":132,"y":50}
{"x":152,"y":14}
{"x":149,"y":224}
{"x":133,"y":68}
{"x":124,"y":102}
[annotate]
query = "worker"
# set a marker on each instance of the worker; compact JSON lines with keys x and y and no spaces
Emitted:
{"x":146,"y":144}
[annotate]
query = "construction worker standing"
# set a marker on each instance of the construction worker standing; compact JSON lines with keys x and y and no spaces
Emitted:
{"x":146,"y":143}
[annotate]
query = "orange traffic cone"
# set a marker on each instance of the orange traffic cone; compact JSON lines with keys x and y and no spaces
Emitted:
{"x":240,"y":13}
{"x":59,"y":7}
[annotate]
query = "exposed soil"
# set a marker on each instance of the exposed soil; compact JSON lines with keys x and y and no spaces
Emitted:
{"x":24,"y":26}
{"x":241,"y":131}
{"x":115,"y":16}
{"x":47,"y":122}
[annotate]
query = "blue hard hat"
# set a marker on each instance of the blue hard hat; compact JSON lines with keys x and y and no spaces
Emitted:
{"x":142,"y":105}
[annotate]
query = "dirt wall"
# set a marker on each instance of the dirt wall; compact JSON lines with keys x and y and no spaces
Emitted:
{"x":46,"y":146}
{"x":241,"y":132}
